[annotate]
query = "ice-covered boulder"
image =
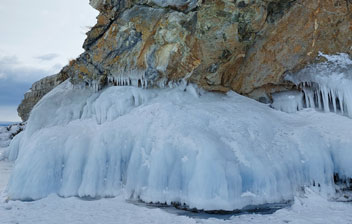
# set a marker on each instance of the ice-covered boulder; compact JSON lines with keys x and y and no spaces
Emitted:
{"x":207,"y":150}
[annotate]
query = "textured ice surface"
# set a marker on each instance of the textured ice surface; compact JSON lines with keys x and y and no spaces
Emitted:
{"x":326,"y":86}
{"x":207,"y":150}
{"x":5,"y":137}
{"x":288,"y":101}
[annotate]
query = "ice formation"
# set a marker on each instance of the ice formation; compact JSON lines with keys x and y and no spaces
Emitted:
{"x":326,"y":86}
{"x":207,"y":150}
{"x":129,"y":78}
{"x":6,"y":135}
{"x":288,"y":101}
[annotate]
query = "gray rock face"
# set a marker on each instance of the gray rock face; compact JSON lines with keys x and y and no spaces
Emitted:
{"x":245,"y":45}
{"x":36,"y":92}
{"x":186,"y":5}
{"x":221,"y":45}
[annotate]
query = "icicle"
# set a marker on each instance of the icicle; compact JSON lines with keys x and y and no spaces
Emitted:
{"x":333,"y":100}
{"x":325,"y":98}
{"x":328,"y":85}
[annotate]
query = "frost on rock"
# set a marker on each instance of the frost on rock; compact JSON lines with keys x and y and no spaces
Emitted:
{"x":207,"y":150}
{"x":326,"y":86}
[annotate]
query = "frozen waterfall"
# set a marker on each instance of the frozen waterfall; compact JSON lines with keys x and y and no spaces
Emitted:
{"x":206,"y":150}
{"x":326,"y":86}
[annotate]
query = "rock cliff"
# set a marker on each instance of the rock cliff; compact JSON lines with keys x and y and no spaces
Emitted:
{"x":37,"y":91}
{"x":246,"y":46}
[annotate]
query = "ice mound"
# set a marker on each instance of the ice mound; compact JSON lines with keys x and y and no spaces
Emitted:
{"x":207,"y":150}
{"x":327,"y":86}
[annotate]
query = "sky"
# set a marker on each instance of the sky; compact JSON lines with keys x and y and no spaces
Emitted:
{"x":37,"y":39}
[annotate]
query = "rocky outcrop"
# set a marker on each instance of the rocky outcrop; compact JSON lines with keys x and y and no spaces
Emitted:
{"x":245,"y":46}
{"x":294,"y":40}
{"x":242,"y":45}
{"x":37,"y":91}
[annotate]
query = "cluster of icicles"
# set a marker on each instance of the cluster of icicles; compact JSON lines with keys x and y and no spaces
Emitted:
{"x":326,"y":86}
{"x":328,"y":99}
{"x":131,"y":78}
{"x":122,"y":78}
{"x":135,"y":78}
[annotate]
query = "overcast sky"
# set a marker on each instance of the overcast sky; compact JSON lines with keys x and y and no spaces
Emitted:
{"x":37,"y":39}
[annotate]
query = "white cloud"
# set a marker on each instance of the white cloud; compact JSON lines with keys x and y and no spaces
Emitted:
{"x":47,"y":57}
{"x":9,"y":114}
{"x":3,"y":76}
{"x":37,"y":39}
{"x":37,"y":28}
{"x":14,"y":70}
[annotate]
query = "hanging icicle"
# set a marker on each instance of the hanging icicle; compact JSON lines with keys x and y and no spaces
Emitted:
{"x":325,"y":86}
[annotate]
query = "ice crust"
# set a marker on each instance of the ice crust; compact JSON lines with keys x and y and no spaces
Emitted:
{"x":207,"y":150}
{"x":326,"y":86}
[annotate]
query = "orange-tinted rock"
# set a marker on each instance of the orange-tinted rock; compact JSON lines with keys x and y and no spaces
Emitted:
{"x":221,"y":45}
{"x":294,"y":41}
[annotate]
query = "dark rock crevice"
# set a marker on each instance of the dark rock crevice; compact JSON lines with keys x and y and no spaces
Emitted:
{"x":276,"y":10}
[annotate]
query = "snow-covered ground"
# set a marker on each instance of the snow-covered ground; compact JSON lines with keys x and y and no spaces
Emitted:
{"x":309,"y":208}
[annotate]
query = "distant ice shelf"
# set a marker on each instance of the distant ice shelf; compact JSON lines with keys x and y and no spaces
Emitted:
{"x":206,"y":150}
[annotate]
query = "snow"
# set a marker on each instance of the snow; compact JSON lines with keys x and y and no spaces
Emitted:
{"x":207,"y":150}
{"x":4,"y":137}
{"x":309,"y":208}
{"x":326,"y":86}
{"x":6,"y":134}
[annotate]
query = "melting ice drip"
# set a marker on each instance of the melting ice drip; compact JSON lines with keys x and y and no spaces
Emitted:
{"x":326,"y":86}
